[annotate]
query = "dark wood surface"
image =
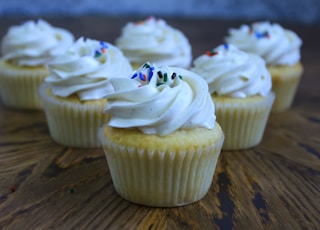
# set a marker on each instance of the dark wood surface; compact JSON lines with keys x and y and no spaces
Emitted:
{"x":275,"y":185}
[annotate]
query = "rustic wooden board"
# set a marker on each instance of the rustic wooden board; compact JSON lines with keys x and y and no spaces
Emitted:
{"x":272,"y":186}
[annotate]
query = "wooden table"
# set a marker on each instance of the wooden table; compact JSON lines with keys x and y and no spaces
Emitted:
{"x":275,"y":185}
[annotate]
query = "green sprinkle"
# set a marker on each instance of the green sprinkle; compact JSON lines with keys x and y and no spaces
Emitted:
{"x":165,"y":77}
{"x":97,"y":54}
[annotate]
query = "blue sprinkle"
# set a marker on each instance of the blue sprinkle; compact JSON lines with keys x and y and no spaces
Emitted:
{"x":150,"y":75}
{"x":97,"y":54}
{"x":134,"y":76}
{"x":103,"y":44}
{"x":226,"y":46}
{"x":141,"y":76}
{"x":259,"y":35}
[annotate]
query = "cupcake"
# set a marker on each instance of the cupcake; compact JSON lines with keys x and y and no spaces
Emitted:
{"x":25,"y":51}
{"x":240,"y":86}
{"x":280,"y":48}
{"x":155,"y":41}
{"x":73,"y":93}
{"x":162,"y":141}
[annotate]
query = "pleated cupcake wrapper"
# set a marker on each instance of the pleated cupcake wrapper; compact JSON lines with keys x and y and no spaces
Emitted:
{"x":243,"y":123}
{"x":20,"y":88}
{"x":285,"y":90}
{"x":71,"y":124}
{"x":161,"y":178}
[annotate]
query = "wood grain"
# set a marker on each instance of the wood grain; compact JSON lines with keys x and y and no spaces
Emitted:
{"x":275,"y":185}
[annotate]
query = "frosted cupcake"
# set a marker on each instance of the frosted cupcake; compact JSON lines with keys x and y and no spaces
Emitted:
{"x":240,"y":86}
{"x":73,"y":94}
{"x":25,"y":51}
{"x":162,"y":142}
{"x":280,"y":48}
{"x":155,"y":41}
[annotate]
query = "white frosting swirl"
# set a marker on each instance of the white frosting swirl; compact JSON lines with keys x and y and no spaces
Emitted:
{"x":160,"y":101}
{"x":276,"y":45}
{"x":155,"y":41}
{"x":34,"y":43}
{"x":85,"y":68}
{"x":234,"y":73}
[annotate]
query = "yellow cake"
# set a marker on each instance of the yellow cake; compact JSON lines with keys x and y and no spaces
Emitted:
{"x":73,"y":93}
{"x":162,"y":142}
{"x":26,"y":49}
{"x":240,"y":87}
{"x":280,"y":48}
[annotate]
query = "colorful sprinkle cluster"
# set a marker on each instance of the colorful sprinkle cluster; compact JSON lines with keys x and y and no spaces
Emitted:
{"x":213,"y":52}
{"x":147,"y":71}
{"x":164,"y":79}
{"x":103,"y":49}
{"x":143,"y":76}
{"x":141,"y":22}
{"x":259,"y":35}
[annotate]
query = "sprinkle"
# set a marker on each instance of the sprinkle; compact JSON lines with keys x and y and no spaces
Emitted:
{"x":262,"y":35}
{"x":97,"y":54}
{"x":141,"y":22}
{"x":150,"y":73}
{"x":211,"y":53}
{"x":103,"y":50}
{"x":173,"y":76}
{"x":226,"y":46}
{"x":103,"y":44}
{"x":160,"y":74}
{"x":142,"y":76}
{"x":71,"y":190}
{"x":146,"y":65}
{"x":12,"y":188}
{"x":165,"y":79}
{"x":149,"y":18}
{"x":134,"y":76}
{"x":180,"y":77}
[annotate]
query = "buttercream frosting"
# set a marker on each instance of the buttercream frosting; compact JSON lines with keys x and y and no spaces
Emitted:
{"x":85,"y":68}
{"x":232,"y":72}
{"x":160,"y":101}
{"x":155,"y":41}
{"x":33,"y":43}
{"x":276,"y":45}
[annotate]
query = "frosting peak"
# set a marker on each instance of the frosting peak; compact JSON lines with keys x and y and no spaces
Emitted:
{"x":85,"y":68}
{"x":276,"y":45}
{"x":160,"y":101}
{"x":232,"y":72}
{"x":153,"y":40}
{"x":34,"y":43}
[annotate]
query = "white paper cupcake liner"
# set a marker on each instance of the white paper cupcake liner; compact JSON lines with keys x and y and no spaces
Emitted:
{"x":243,"y":123}
{"x":19,"y":87}
{"x":285,"y":81}
{"x":73,"y":124}
{"x":161,"y":178}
